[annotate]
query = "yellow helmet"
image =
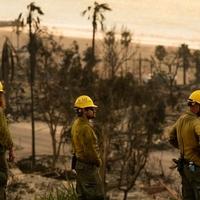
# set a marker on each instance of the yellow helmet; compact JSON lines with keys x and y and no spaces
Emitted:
{"x":1,"y":87}
{"x":84,"y":101}
{"x":195,"y":97}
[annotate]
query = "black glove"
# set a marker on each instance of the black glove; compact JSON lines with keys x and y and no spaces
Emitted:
{"x":73,"y":164}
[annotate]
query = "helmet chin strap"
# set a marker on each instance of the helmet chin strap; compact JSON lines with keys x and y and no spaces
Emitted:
{"x":198,"y":113}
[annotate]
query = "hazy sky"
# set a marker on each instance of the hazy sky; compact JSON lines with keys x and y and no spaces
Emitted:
{"x":151,"y":21}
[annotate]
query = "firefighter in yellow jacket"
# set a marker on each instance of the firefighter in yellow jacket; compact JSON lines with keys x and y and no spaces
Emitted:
{"x":185,"y":135}
{"x":89,"y":185}
{"x":5,"y":144}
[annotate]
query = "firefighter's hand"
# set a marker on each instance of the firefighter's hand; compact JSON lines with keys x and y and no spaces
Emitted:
{"x":175,"y":160}
{"x":174,"y":165}
{"x":11,"y":157}
{"x":74,"y":172}
{"x":99,"y":163}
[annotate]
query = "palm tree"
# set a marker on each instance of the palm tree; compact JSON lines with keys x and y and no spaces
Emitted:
{"x":18,"y":27}
{"x":196,"y":60}
{"x":95,"y":13}
{"x":9,"y":60}
{"x":33,"y":23}
{"x":126,"y":39}
{"x":160,"y":53}
{"x":111,"y":58}
{"x":184,"y":54}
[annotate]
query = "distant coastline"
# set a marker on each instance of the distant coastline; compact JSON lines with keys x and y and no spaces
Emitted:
{"x":67,"y":40}
{"x":84,"y":38}
{"x":142,"y":38}
{"x":139,"y":38}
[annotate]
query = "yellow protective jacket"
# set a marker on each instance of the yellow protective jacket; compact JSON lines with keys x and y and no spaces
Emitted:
{"x":5,"y":136}
{"x":185,"y":135}
{"x":84,"y":142}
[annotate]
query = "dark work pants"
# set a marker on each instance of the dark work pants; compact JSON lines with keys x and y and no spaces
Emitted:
{"x":89,"y":185}
{"x":3,"y":175}
{"x":191,"y":183}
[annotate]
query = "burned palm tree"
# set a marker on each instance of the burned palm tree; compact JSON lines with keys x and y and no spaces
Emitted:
{"x":184,"y":54}
{"x":95,"y":13}
{"x":160,"y":54}
{"x":19,"y":24}
{"x":8,"y":62}
{"x":196,"y":60}
{"x":33,"y":24}
{"x":126,"y":39}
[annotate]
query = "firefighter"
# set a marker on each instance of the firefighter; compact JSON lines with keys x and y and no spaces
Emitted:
{"x":86,"y":160}
{"x":6,"y":144}
{"x":185,"y":135}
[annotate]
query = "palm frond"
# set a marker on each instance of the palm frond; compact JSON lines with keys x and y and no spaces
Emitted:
{"x":19,"y":17}
{"x":102,"y":17}
{"x":12,"y":62}
{"x":38,"y":20}
{"x":33,"y":7}
{"x":84,"y":12}
{"x":102,"y":26}
{"x":105,"y":6}
{"x":40,"y":11}
{"x":8,"y":63}
{"x":22,"y":23}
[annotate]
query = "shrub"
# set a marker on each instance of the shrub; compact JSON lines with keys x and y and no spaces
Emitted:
{"x":60,"y":193}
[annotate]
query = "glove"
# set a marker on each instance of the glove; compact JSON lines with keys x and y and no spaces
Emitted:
{"x":73,"y":164}
{"x":11,"y":157}
{"x":99,"y":163}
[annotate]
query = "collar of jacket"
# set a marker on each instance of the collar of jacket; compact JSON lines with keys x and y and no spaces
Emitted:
{"x":191,"y":113}
{"x":83,"y":119}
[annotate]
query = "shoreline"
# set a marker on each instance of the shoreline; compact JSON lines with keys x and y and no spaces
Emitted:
{"x":84,"y":35}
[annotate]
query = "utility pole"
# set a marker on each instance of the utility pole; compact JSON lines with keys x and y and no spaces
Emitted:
{"x":32,"y":73}
{"x":140,"y":61}
{"x":140,"y":68}
{"x":33,"y":26}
